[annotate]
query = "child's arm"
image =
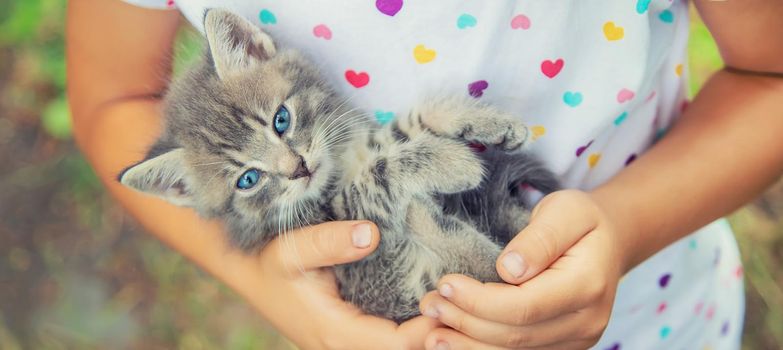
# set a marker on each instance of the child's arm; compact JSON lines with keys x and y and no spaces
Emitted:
{"x":119,"y":63}
{"x":723,"y":151}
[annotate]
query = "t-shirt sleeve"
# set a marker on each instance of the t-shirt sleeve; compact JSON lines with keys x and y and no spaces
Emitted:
{"x":154,"y":4}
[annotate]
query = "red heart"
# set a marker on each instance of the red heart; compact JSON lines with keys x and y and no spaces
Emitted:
{"x":357,"y":79}
{"x":550,"y":68}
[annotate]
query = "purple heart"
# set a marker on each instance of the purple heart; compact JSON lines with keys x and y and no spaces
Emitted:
{"x":388,"y":7}
{"x":725,"y":328}
{"x":476,"y":88}
{"x":582,"y":149}
{"x":615,"y":346}
{"x":630,"y":159}
{"x":664,"y":280}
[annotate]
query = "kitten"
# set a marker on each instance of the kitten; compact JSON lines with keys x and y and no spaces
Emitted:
{"x":256,"y":138}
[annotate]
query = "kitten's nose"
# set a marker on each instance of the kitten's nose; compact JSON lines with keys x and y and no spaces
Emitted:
{"x":301,"y":170}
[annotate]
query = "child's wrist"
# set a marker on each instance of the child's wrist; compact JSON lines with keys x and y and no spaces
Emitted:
{"x":622,"y":225}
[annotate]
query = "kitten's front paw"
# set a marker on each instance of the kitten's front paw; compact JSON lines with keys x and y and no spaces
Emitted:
{"x":471,"y":121}
{"x":504,"y":133}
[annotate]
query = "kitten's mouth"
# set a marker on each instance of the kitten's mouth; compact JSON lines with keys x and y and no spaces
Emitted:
{"x":312,"y":176}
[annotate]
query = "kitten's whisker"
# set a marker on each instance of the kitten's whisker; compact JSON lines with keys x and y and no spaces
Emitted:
{"x":207,"y":164}
{"x":341,"y":116}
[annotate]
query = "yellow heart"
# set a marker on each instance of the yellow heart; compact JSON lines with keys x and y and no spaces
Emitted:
{"x":593,"y":159}
{"x":422,"y":54}
{"x":678,"y":70}
{"x":538,"y":131}
{"x":613,"y":32}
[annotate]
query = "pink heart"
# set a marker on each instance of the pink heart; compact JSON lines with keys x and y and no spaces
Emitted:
{"x":698,"y":308}
{"x":322,"y":31}
{"x":520,"y":22}
{"x":710,"y":312}
{"x":661,"y":307}
{"x":552,"y":68}
{"x":625,"y":95}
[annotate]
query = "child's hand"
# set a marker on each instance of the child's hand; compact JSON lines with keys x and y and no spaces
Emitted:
{"x":300,"y":297}
{"x":563,"y":283}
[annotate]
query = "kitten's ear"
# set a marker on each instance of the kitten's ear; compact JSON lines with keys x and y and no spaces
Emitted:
{"x":234,"y":42}
{"x":163,"y":176}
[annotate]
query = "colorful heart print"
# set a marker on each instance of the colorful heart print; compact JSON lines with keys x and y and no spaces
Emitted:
{"x":625,"y":95}
{"x":538,"y":131}
{"x":642,"y":6}
{"x":581,"y":149}
{"x":520,"y":22}
{"x":572,"y":99}
{"x":613,"y":32}
{"x":665,"y":331}
{"x":322,"y":31}
{"x":476,"y":88}
{"x":666,"y":16}
{"x":358,"y":80}
{"x":593,"y":160}
{"x":466,"y":21}
{"x":620,"y":119}
{"x":630,"y":159}
{"x":552,"y":68}
{"x":388,"y":7}
{"x":267,"y":17}
{"x":384,"y":117}
{"x":663,"y":281}
{"x":661,"y":308}
{"x":423,"y":55}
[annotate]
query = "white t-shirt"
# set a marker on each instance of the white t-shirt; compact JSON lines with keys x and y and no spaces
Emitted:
{"x":598,"y":82}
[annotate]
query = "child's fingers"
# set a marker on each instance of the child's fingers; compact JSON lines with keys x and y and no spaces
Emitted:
{"x":449,"y":339}
{"x":571,"y":326}
{"x":559,"y":221}
{"x":322,"y":245}
{"x":551,"y":294}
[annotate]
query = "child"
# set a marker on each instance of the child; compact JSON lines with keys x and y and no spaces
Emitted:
{"x":598,"y":84}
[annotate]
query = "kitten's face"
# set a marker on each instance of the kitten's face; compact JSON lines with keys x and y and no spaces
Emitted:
{"x":250,"y":133}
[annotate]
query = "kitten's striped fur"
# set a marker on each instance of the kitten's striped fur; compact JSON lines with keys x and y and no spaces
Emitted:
{"x":438,"y":208}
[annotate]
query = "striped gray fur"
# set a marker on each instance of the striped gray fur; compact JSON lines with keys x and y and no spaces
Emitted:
{"x":440,"y":206}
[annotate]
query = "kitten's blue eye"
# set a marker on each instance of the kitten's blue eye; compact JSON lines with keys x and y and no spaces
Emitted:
{"x":282,"y":120}
{"x":248,"y":179}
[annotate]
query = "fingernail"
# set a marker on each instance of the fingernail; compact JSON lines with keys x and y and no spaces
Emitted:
{"x":514,"y":264}
{"x":442,"y":345}
{"x":446,"y":290}
{"x":431,"y":312}
{"x":361,"y":236}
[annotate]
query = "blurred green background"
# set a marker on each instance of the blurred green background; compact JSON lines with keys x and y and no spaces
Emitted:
{"x":75,"y":272}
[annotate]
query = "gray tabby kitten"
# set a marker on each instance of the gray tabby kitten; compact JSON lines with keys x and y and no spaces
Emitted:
{"x":256,"y":138}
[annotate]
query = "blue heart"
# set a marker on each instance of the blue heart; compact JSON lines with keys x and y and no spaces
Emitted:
{"x":384,"y":117}
{"x":621,"y":118}
{"x":665,"y":332}
{"x":666,"y":16}
{"x":642,"y":6}
{"x":465,"y":21}
{"x":267,"y":17}
{"x":572,"y":99}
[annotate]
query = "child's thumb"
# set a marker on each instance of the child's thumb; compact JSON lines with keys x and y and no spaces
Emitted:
{"x":558,"y":221}
{"x":326,"y":244}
